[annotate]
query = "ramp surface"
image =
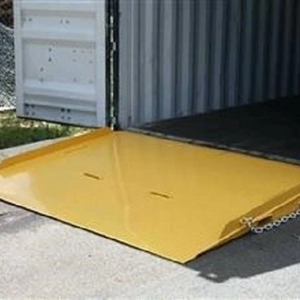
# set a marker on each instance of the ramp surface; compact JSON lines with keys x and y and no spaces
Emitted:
{"x":169,"y":198}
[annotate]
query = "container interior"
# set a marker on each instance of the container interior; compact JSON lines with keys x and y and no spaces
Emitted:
{"x":270,"y":129}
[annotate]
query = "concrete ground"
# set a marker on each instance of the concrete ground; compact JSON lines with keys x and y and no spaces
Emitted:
{"x":43,"y":258}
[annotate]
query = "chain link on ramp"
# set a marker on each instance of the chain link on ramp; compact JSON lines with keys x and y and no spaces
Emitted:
{"x":271,"y":225}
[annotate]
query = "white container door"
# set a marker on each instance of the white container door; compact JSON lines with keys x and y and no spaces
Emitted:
{"x":60,"y":60}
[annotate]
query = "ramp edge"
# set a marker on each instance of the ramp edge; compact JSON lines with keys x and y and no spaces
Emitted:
{"x":56,"y":146}
{"x":267,"y":210}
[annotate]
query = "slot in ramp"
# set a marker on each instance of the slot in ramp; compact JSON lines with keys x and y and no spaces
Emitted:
{"x":169,"y":198}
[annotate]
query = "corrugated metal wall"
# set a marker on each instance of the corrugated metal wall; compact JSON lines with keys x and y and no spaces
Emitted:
{"x":181,"y":57}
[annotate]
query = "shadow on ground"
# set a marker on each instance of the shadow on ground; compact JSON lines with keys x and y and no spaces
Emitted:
{"x":14,"y":219}
{"x":251,"y":255}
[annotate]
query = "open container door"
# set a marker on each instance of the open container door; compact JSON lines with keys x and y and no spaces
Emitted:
{"x":61,"y":61}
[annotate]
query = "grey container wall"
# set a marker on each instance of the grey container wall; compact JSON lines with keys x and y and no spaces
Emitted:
{"x":185,"y":57}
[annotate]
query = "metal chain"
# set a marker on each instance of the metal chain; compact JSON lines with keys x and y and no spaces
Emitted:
{"x":260,"y":229}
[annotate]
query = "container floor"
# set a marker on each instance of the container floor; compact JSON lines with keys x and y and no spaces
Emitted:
{"x":270,"y":129}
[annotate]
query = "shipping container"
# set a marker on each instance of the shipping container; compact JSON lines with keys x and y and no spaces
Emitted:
{"x":128,"y":63}
{"x":178,"y":58}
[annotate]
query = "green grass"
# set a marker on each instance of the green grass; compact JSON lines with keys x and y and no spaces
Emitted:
{"x":15,"y":131}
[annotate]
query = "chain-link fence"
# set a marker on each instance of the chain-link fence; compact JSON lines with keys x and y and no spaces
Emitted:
{"x":7,"y":68}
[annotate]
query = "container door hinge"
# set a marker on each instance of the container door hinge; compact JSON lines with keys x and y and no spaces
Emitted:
{"x":112,"y":64}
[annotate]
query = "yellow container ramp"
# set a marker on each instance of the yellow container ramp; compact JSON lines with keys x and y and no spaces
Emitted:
{"x":169,"y":198}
